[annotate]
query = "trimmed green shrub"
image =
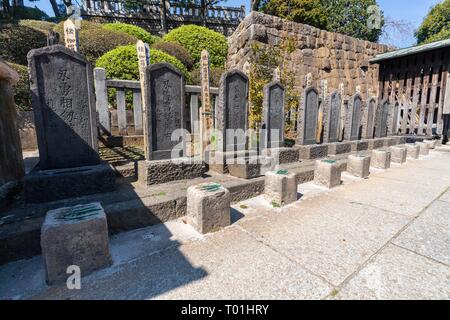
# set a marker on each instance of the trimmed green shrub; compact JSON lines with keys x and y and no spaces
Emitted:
{"x":176,"y":50}
{"x":122,"y":63}
{"x":214,"y":76}
{"x":16,"y":41}
{"x":195,"y":38}
{"x":96,"y":41}
{"x":441,"y":35}
{"x":22,"y":95}
{"x":43,"y":26}
{"x":135,"y":31}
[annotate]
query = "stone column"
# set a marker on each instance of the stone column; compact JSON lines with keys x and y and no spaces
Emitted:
{"x":11,"y":159}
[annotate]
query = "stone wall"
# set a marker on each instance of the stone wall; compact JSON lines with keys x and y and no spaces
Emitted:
{"x":326,"y":55}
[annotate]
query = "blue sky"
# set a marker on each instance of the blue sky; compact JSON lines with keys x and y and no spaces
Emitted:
{"x":409,"y":11}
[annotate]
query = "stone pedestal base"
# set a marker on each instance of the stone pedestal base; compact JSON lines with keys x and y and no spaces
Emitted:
{"x":431,"y":143}
{"x":358,"y":165}
{"x":381,"y":159}
{"x":412,"y":150}
{"x":327,"y":173}
{"x":280,"y":187}
{"x":398,"y":154}
{"x":51,"y":185}
{"x":283,"y":155}
{"x":359,"y":145}
{"x":315,"y":151}
{"x":208,"y":207}
{"x":424,"y":150}
{"x":339,"y":148}
{"x":376,"y":143}
{"x":74,"y":236}
{"x":162,"y":171}
{"x":250,"y":167}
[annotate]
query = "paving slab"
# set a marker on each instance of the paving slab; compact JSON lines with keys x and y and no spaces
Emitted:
{"x":328,"y":236}
{"x":217,"y":267}
{"x":429,"y":234}
{"x":397,"y":273}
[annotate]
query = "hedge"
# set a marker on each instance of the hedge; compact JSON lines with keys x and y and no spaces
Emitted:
{"x":214,"y":76}
{"x":29,"y":13}
{"x":95,"y":41}
{"x":132,"y":30}
{"x":122,"y":63}
{"x":17,"y":40}
{"x":176,"y":50}
{"x":39,"y":25}
{"x":195,"y":38}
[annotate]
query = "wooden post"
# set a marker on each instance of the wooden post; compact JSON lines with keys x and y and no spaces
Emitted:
{"x":205,"y":115}
{"x":70,"y":35}
{"x":143,"y":52}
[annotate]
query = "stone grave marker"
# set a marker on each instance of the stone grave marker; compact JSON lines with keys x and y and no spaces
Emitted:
{"x":61,"y":83}
{"x":354,"y":117}
{"x":370,"y":119}
{"x":164,"y":93}
{"x":332,"y":118}
{"x":206,"y":110}
{"x":232,"y":110}
{"x":383,"y":115}
{"x":308,"y":117}
{"x":165,"y":120}
{"x":273,"y":115}
{"x":64,"y":108}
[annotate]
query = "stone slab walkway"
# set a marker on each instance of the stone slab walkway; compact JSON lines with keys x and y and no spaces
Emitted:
{"x":385,"y":237}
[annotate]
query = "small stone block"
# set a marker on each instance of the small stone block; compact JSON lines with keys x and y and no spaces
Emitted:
{"x":412,"y":150}
{"x":339,"y":148}
{"x":398,"y":154}
{"x":208,"y":207}
{"x":313,"y":151}
{"x":358,"y":165}
{"x":431,"y":143}
{"x":280,"y":187}
{"x":381,"y":159}
{"x":327,"y":173}
{"x":423,"y":147}
{"x":162,"y":171}
{"x":74,"y":236}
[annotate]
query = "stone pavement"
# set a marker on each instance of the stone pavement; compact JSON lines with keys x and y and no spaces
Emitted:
{"x":385,"y":237}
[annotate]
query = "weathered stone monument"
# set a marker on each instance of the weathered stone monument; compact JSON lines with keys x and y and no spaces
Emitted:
{"x":368,"y":131}
{"x":393,"y":120}
{"x":280,"y":187}
{"x":358,"y":165}
{"x":382,"y":119}
{"x":70,"y":35}
{"x":327,"y":173}
{"x":273,"y":115}
{"x":74,"y":236}
{"x":271,"y":135}
{"x":307,"y":126}
{"x":208,"y":207}
{"x":205,"y":112}
{"x":166,"y":136}
{"x":231,"y":121}
{"x":11,"y":163}
{"x":64,"y":110}
{"x":332,"y":114}
{"x":353,"y":118}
